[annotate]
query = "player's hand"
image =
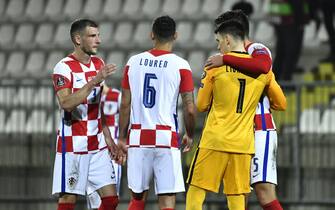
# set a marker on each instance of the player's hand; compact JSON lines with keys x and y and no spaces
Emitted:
{"x":188,"y":142}
{"x":104,"y":72}
{"x":214,"y":61}
{"x":123,"y":152}
{"x":113,"y":150}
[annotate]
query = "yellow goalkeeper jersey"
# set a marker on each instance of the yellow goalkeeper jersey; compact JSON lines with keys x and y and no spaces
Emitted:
{"x":231,"y":98}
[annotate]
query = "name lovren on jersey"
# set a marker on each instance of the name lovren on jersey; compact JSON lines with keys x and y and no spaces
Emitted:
{"x":153,"y":63}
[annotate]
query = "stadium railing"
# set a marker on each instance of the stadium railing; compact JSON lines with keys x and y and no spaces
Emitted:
{"x":306,"y":145}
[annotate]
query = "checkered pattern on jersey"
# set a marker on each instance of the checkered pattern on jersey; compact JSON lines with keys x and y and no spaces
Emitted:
{"x":162,"y":136}
{"x":111,"y":105}
{"x":81,"y":129}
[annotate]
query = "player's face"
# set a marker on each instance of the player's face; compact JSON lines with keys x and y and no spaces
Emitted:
{"x":222,"y":43}
{"x":90,"y":40}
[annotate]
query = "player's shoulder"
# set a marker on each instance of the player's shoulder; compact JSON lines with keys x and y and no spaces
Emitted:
{"x":62,"y":65}
{"x":97,"y":59}
{"x":179,"y":59}
{"x":259,"y":47}
{"x":239,"y":54}
{"x":136,"y":57}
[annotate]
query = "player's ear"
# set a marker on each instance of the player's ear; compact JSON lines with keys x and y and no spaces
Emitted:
{"x":175,"y":36}
{"x":227,"y":40}
{"x":152,"y":36}
{"x":77,"y":39}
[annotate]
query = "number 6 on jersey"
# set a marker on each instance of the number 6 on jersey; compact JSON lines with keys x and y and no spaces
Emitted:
{"x":149,"y":92}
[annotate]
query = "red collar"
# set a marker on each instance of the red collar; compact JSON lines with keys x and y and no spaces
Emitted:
{"x":157,"y":53}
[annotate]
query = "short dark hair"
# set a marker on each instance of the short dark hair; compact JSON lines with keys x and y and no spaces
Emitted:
{"x":237,"y":15}
{"x":79,"y":26}
{"x":233,"y":27}
{"x":164,"y":28}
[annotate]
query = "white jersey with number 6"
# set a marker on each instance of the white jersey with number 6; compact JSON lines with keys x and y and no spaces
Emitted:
{"x":155,"y":79}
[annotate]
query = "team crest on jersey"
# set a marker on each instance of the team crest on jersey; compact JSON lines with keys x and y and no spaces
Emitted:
{"x":60,"y":81}
{"x":72,"y":181}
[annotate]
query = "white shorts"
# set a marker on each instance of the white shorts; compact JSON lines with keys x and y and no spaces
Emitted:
{"x":264,"y":163}
{"x":164,"y":164}
{"x":93,"y":199}
{"x":78,"y":174}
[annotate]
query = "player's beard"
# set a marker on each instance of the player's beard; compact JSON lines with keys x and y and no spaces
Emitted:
{"x":88,"y":51}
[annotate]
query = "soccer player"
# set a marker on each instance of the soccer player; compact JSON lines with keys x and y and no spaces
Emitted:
{"x":82,"y":161}
{"x":227,"y":142}
{"x":110,"y":101}
{"x":151,"y":84}
{"x":264,"y":167}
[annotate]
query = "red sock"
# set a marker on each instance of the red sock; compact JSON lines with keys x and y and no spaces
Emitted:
{"x":65,"y":206}
{"x":109,"y":202}
{"x":273,"y":205}
{"x":136,"y":205}
{"x":101,"y":207}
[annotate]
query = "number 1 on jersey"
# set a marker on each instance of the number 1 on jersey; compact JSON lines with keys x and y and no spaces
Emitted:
{"x":149,"y":92}
{"x":240,"y":96}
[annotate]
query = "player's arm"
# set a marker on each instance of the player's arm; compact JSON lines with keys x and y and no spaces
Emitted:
{"x":204,"y":98}
{"x":124,"y":113}
{"x":124,"y":122}
{"x":189,"y":119}
{"x":275,"y":94}
{"x":108,"y":137}
{"x":259,"y":63}
{"x":186,"y":91}
{"x":69,"y":101}
{"x":124,"y":117}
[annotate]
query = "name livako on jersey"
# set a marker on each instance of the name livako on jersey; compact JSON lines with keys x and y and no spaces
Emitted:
{"x":153,"y":63}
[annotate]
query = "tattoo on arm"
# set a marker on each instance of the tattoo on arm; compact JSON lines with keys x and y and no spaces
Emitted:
{"x":189,"y":112}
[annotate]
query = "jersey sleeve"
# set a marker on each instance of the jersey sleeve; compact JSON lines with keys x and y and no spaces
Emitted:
{"x":61,"y":77}
{"x":205,"y":93}
{"x":259,"y":63}
{"x":186,"y":81}
{"x":275,"y":93}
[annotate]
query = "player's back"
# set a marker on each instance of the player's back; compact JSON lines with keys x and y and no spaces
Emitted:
{"x":229,"y":126}
{"x":154,"y":79}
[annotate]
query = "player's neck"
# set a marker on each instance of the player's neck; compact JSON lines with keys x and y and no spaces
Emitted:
{"x":247,"y":42}
{"x":81,"y":56}
{"x":238,"y":47}
{"x":163,"y":46}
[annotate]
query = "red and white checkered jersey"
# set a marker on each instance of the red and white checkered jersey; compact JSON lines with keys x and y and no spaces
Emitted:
{"x":155,"y":79}
{"x":80,"y":131}
{"x":263,"y":118}
{"x":111,"y":106}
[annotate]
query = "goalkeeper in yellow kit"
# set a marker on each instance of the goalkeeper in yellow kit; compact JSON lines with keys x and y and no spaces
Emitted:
{"x":227,"y":142}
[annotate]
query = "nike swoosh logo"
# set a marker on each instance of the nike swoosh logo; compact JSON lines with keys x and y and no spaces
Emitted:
{"x":78,"y":80}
